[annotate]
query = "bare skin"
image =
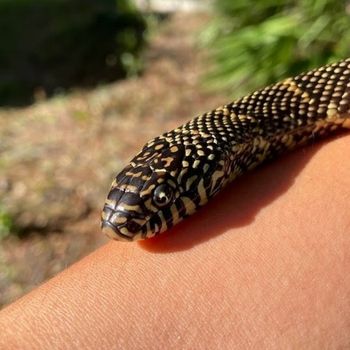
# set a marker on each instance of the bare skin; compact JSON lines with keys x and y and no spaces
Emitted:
{"x":265,"y":265}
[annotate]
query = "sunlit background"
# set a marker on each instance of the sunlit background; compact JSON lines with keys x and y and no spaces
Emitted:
{"x":85,"y":83}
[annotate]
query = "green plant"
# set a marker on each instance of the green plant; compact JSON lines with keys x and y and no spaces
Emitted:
{"x":253,"y":43}
{"x":6,"y":224}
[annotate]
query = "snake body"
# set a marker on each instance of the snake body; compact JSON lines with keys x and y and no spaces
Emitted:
{"x":176,"y":173}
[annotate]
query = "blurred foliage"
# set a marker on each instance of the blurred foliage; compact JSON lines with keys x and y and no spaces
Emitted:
{"x":6,"y":223}
{"x":254,"y":43}
{"x":50,"y":45}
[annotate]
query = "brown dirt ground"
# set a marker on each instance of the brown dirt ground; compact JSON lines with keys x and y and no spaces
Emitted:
{"x":58,"y":157}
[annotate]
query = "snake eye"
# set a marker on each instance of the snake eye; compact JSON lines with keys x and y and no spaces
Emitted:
{"x":162,"y":195}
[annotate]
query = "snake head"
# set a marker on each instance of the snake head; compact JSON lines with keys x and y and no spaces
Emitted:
{"x":163,"y":184}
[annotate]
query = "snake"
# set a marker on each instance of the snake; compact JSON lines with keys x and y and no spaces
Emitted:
{"x":178,"y":172}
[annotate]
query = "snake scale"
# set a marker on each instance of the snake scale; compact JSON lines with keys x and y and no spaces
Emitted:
{"x":178,"y":172}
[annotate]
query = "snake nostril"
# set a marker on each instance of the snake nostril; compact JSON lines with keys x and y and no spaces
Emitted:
{"x":133,"y":227}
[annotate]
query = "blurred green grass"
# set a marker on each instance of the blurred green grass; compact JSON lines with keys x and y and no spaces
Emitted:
{"x":254,"y":43}
{"x":6,"y":223}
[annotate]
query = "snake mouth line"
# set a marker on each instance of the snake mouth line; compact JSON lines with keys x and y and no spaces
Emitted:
{"x":113,"y":232}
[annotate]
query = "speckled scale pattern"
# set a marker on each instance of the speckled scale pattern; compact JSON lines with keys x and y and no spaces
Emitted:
{"x":299,"y":101}
{"x":196,"y":160}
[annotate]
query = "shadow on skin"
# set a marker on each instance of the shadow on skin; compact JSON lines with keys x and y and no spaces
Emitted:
{"x":237,"y":205}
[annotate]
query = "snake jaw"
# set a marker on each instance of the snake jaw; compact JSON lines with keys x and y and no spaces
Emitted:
{"x":113,"y":232}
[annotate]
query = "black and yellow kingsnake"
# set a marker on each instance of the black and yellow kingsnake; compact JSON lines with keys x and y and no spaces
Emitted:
{"x":177,"y":172}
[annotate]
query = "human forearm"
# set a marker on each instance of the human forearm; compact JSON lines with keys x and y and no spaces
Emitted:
{"x":265,"y":265}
